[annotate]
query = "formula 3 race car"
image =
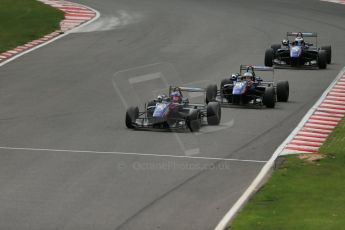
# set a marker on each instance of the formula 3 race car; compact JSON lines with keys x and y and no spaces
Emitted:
{"x":249,"y":90}
{"x":174,"y":112}
{"x":296,"y":52}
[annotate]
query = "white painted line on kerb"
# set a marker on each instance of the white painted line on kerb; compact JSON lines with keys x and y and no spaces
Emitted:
{"x":127,"y":153}
{"x":53,"y":39}
{"x":312,"y":139}
{"x":302,"y":132}
{"x":264,"y":171}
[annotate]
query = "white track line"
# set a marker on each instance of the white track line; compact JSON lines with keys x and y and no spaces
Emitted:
{"x":250,"y":190}
{"x":126,"y":153}
{"x":270,"y":163}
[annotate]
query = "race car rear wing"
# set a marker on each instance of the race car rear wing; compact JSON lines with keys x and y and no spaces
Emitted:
{"x":304,"y":34}
{"x":255,"y":68}
{"x":198,"y":91}
{"x":192,"y":89}
{"x":186,"y":89}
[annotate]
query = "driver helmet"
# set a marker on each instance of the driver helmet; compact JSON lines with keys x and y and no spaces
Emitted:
{"x":159,"y":98}
{"x":248,"y":76}
{"x":285,"y":42}
{"x":299,"y":41}
{"x":299,"y":34}
{"x":162,"y":98}
{"x":176,"y":97}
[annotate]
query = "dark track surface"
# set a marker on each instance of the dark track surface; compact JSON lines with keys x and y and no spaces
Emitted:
{"x":63,"y":96}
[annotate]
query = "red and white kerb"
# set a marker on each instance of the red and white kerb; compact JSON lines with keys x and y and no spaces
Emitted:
{"x":321,"y":123}
{"x":75,"y":15}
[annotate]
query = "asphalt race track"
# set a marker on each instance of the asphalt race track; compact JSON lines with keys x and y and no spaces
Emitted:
{"x":64,"y":161}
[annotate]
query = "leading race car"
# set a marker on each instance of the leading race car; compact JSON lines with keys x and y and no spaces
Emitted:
{"x":248,"y":89}
{"x":296,"y":52}
{"x":174,"y":112}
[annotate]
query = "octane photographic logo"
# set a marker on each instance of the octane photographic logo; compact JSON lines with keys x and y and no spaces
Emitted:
{"x":136,"y":86}
{"x":177,"y":166}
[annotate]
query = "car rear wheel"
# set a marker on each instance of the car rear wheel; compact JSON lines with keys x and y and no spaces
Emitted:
{"x":322,"y":60}
{"x":214,"y":113}
{"x":211,"y":93}
{"x":275,"y":47}
{"x":223,"y":90}
{"x":329,"y":53}
{"x":132,"y":114}
{"x":269,"y":55}
{"x":151,"y":103}
{"x":269,"y":97}
{"x":194,"y":120}
{"x":283,"y":91}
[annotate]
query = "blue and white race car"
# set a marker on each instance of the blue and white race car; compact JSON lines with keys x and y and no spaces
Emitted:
{"x":248,"y":89}
{"x":174,"y":112}
{"x":295,"y":51}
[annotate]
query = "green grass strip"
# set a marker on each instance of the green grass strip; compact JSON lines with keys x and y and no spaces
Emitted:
{"x":302,"y":194}
{"x":22,"y":21}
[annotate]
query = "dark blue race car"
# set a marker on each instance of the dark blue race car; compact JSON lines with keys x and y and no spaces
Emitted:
{"x":174,"y":112}
{"x":248,"y":89}
{"x":295,"y":51}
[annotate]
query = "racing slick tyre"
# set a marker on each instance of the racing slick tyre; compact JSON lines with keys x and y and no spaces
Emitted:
{"x":275,"y":47}
{"x":283,"y":91}
{"x":214,"y":113}
{"x":269,"y":55}
{"x":322,"y":59}
{"x":269,"y":97}
{"x":151,"y":103}
{"x":131,"y":115}
{"x":329,"y":53}
{"x":224,"y":82}
{"x":194,"y":120}
{"x":211,"y":93}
